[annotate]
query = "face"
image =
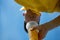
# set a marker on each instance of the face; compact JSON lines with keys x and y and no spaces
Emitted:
{"x":30,"y":16}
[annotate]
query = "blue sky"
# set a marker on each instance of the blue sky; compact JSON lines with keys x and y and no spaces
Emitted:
{"x":11,"y":22}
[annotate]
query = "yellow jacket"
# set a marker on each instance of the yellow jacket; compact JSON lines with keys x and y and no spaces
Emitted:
{"x":41,"y":5}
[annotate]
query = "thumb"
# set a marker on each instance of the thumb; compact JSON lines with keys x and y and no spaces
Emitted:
{"x":33,"y":28}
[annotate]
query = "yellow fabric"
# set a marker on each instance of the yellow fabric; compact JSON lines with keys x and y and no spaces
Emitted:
{"x":33,"y":35}
{"x":40,"y":5}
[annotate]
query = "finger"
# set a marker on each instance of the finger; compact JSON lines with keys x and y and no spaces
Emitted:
{"x":33,"y":28}
{"x":42,"y":34}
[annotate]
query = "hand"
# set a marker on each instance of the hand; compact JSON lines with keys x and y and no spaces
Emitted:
{"x":42,"y":31}
{"x":30,"y":16}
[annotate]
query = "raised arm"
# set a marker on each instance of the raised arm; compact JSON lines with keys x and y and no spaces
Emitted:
{"x":52,"y":24}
